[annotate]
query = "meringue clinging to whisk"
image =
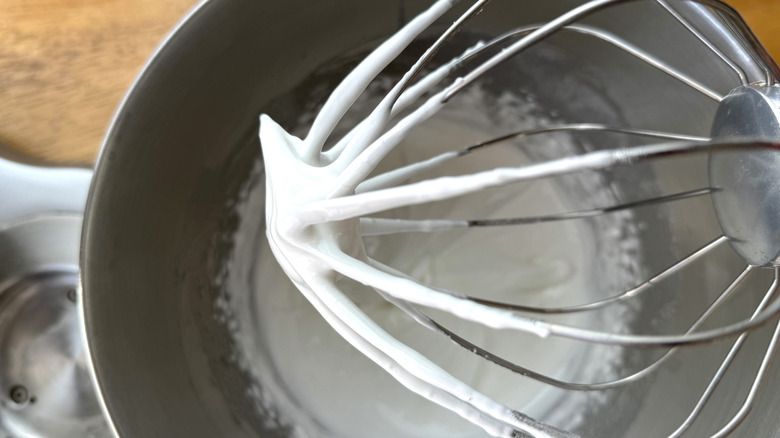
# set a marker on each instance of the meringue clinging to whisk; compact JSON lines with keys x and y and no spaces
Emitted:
{"x":319,"y":202}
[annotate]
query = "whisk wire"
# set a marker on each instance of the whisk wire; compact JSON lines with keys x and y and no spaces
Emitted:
{"x":348,"y":91}
{"x":401,"y":174}
{"x":548,"y":29}
{"x":714,"y":49}
{"x":631,"y":293}
{"x":372,"y":226}
{"x":590,"y":213}
{"x":409,"y":96}
{"x":771,"y":312}
{"x":430,"y":323}
{"x":716,"y":379}
{"x":407,"y":365}
{"x":352,"y":206}
{"x":749,"y":402}
{"x":409,"y":290}
{"x":378,"y":119}
{"x":619,"y":43}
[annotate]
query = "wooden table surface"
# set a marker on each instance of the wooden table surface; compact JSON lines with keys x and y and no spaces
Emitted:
{"x":65,"y":65}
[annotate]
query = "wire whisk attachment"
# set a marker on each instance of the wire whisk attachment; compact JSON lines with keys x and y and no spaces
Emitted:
{"x":321,"y":204}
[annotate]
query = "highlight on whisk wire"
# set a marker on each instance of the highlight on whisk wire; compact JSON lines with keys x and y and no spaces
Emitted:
{"x":564,"y":223}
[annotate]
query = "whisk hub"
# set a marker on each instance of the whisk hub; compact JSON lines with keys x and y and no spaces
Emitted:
{"x":747,"y":200}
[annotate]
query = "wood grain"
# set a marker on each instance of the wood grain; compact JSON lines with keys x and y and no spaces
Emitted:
{"x":65,"y":65}
{"x":763,"y":16}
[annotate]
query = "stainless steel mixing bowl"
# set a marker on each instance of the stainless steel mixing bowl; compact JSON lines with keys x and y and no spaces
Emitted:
{"x":181,"y":152}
